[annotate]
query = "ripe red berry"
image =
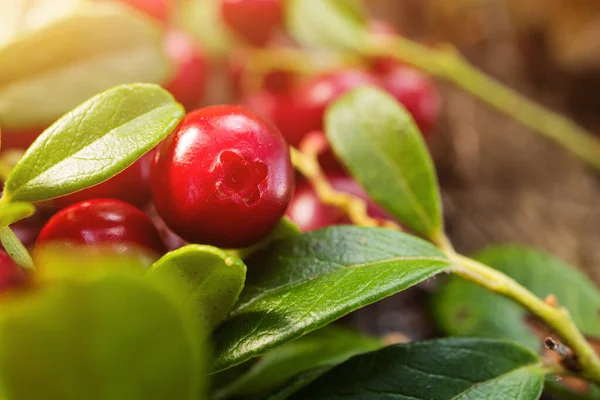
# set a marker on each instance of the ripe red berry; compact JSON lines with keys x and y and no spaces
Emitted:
{"x":158,"y":9}
{"x":188,"y":82}
{"x":20,"y":139}
{"x":253,"y":20}
{"x":417,"y":93}
{"x":103,"y":222}
{"x":10,"y":273}
{"x":308,"y":212}
{"x":302,"y":110}
{"x":28,"y":229}
{"x":130,"y":185}
{"x":224,"y":177}
{"x":317,"y":142}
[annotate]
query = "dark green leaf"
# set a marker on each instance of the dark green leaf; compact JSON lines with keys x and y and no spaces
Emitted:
{"x":327,"y":23}
{"x":305,"y":282}
{"x":297,"y":382}
{"x":328,"y":346}
{"x":376,"y":138}
{"x":463,"y":308}
{"x":211,"y":280}
{"x":95,"y":141}
{"x":15,"y":249}
{"x":13,"y":212}
{"x":441,"y":369}
{"x":98,"y":334}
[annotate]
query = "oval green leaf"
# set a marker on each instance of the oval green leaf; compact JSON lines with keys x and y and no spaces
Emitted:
{"x":464,"y":309}
{"x":104,"y":334}
{"x":95,"y":141}
{"x":326,"y":347}
{"x":13,"y":212}
{"x":338,"y":24}
{"x":434,"y":370}
{"x":305,"y":282}
{"x":210,"y":279}
{"x":53,"y":66}
{"x":376,"y":138}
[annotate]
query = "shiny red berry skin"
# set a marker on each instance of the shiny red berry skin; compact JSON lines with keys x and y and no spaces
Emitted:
{"x":309,"y":213}
{"x":224,"y":177}
{"x":130,"y":185}
{"x":253,"y":20}
{"x":417,"y":93}
{"x":302,"y":110}
{"x":103,"y":222}
{"x":10,"y":274}
{"x":188,"y":82}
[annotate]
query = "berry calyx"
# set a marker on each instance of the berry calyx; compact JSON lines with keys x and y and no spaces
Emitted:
{"x":224,"y":177}
{"x":11,"y":275}
{"x":417,"y":93}
{"x":188,"y":82}
{"x":308,"y":212}
{"x":253,"y":20}
{"x":104,"y":223}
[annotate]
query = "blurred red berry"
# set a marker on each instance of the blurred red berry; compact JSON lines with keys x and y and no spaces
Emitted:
{"x":11,"y":275}
{"x":275,"y":81}
{"x":308,"y":212}
{"x":317,"y":142}
{"x":253,"y":20}
{"x":417,"y":93}
{"x":188,"y":82}
{"x":19,"y":139}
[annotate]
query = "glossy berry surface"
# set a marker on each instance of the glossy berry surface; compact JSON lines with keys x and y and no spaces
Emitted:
{"x":103,"y":222}
{"x":253,"y":20}
{"x":130,"y":185}
{"x":10,"y":274}
{"x":188,"y":82}
{"x":224,"y":177}
{"x":309,"y":213}
{"x":417,"y":93}
{"x":302,"y":110}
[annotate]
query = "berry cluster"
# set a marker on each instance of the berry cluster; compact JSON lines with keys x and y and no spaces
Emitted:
{"x":224,"y":176}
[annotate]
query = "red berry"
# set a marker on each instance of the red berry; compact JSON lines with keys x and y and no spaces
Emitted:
{"x":188,"y":82}
{"x":103,"y":222}
{"x":10,"y":273}
{"x":28,"y":229}
{"x":317,"y":142}
{"x":224,"y":177}
{"x":130,"y":185}
{"x":308,"y":212}
{"x":417,"y":93}
{"x":20,"y":139}
{"x":278,"y":81}
{"x":158,"y":9}
{"x":302,"y":110}
{"x":254,"y":20}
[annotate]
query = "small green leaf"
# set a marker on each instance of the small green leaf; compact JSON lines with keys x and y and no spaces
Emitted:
{"x":13,"y":212}
{"x":328,"y":346}
{"x":463,"y":308}
{"x":434,"y":370}
{"x":211,"y":279}
{"x":61,"y":55}
{"x":95,"y":141}
{"x":99,"y":334}
{"x":338,"y":24}
{"x":15,"y":249}
{"x":376,"y":138}
{"x":305,"y":282}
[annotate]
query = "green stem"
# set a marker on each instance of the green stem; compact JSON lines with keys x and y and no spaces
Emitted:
{"x":448,"y":64}
{"x":557,"y":318}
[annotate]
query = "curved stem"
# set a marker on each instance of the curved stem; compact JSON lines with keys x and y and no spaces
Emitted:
{"x":557,"y":318}
{"x":353,"y":206}
{"x":447,"y":63}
